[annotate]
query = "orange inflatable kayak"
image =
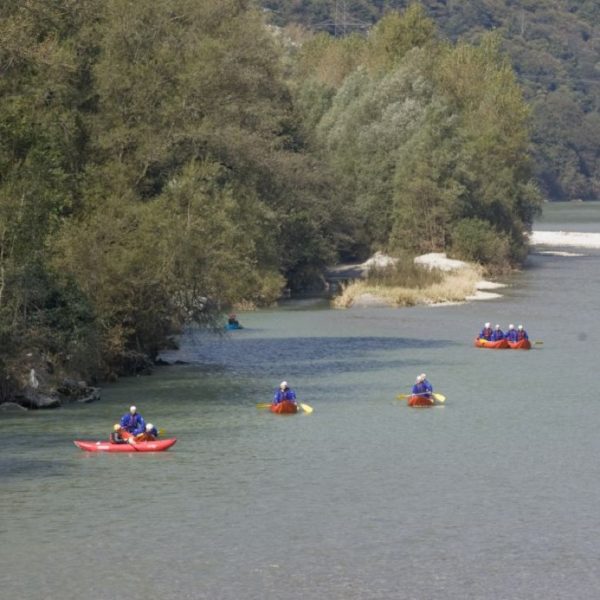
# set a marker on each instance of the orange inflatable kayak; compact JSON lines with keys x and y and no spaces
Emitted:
{"x":483,"y":343}
{"x":520,"y":345}
{"x":286,"y":407}
{"x":420,"y":401}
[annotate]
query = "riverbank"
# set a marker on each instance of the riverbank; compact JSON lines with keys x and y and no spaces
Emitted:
{"x":459,"y":282}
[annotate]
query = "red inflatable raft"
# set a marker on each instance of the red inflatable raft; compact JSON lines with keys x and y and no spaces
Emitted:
{"x":520,"y":345}
{"x":483,"y":343}
{"x":286,"y":407}
{"x":420,"y":401}
{"x":155,"y":446}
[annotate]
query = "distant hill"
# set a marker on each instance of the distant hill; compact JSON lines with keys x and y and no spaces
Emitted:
{"x":555,"y":49}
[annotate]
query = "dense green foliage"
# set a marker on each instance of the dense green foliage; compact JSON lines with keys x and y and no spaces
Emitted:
{"x":553,"y":46}
{"x":424,"y":136}
{"x":161,"y":161}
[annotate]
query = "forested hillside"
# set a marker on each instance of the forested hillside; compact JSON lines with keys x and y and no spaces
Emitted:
{"x":163,"y":161}
{"x":554,"y":46}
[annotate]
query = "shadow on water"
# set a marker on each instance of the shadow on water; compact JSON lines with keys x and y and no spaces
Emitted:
{"x":324,"y":354}
{"x":301,"y":355}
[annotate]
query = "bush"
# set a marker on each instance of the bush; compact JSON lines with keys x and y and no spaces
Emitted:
{"x":405,"y":273}
{"x":475,"y":240}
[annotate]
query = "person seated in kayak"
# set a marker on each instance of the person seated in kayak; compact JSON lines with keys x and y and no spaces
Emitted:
{"x":116,"y":436}
{"x":511,"y":334}
{"x":486,"y":332}
{"x":133,"y":422}
{"x":521,"y":334}
{"x":148,"y":435}
{"x":497,"y":334}
{"x":284,"y":393}
{"x":232,"y":320}
{"x":422,"y":387}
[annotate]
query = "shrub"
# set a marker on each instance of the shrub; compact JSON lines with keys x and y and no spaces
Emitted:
{"x":475,"y":240}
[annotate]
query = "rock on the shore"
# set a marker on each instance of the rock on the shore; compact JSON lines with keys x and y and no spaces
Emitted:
{"x":11,"y":406}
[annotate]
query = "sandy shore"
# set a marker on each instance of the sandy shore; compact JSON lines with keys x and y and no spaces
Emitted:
{"x":573,"y":239}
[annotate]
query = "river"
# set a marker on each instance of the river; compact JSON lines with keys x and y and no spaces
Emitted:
{"x":492,"y":496}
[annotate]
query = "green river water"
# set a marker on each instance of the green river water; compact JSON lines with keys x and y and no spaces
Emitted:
{"x":492,"y":496}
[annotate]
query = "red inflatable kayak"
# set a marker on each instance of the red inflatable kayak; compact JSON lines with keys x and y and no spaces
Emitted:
{"x":286,"y":407}
{"x":155,"y":446}
{"x":499,"y":345}
{"x":420,"y":401}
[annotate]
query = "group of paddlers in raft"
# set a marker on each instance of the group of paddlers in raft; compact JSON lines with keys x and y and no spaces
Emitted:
{"x":496,"y":334}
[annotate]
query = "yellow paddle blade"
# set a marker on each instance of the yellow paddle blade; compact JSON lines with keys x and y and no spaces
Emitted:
{"x":306,"y":408}
{"x":538,"y":342}
{"x":161,"y":432}
{"x":263,"y":405}
{"x":402,"y":396}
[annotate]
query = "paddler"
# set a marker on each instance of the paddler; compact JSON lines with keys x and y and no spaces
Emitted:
{"x":116,"y":436}
{"x":486,"y":332}
{"x":521,"y":334}
{"x":148,"y":435}
{"x":422,"y":387}
{"x":498,"y":334}
{"x":511,"y":334}
{"x":133,"y":422}
{"x":284,"y":393}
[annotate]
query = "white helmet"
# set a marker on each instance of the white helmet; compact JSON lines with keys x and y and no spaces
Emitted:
{"x":511,"y":326}
{"x":149,"y":427}
{"x":497,"y":326}
{"x":488,"y":325}
{"x":283,"y":385}
{"x":116,"y":427}
{"x":520,"y":327}
{"x":421,"y":377}
{"x":132,"y":409}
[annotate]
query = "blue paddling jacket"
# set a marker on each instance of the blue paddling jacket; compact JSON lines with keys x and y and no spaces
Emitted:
{"x":281,"y":395}
{"x":511,"y":335}
{"x":133,"y":423}
{"x":422,"y":389}
{"x":497,"y":335}
{"x":486,"y":333}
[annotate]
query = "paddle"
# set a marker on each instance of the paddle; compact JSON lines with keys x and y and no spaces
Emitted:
{"x":440,"y":398}
{"x":538,"y":342}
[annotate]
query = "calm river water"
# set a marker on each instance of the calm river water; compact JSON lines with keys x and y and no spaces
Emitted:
{"x":492,"y":496}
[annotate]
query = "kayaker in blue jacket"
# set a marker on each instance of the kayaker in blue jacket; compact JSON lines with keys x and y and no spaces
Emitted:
{"x":498,"y":334}
{"x":284,"y":393}
{"x":133,"y":422}
{"x":232,"y":322}
{"x":486,"y":332}
{"x":511,"y":334}
{"x":422,"y":387}
{"x":521,"y":334}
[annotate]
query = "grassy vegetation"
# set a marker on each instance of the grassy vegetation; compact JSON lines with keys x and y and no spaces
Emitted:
{"x":421,"y":286}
